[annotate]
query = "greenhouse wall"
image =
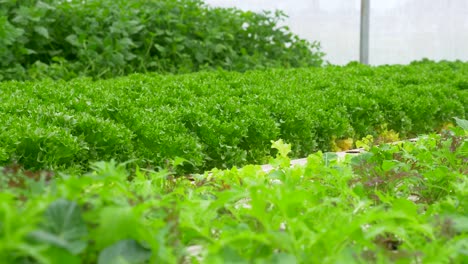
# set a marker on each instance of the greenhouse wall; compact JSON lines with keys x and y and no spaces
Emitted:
{"x":400,"y":30}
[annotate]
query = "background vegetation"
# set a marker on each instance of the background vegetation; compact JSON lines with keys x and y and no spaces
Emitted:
{"x":107,"y":38}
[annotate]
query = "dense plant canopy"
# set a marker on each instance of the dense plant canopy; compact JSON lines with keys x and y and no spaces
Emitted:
{"x":404,"y":203}
{"x":222,"y":119}
{"x":107,"y":38}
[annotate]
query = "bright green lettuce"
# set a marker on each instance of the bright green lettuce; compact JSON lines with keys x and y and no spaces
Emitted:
{"x":221,"y":119}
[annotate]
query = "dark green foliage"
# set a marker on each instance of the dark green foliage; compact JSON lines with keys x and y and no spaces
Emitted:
{"x":106,"y":38}
{"x":220,"y":119}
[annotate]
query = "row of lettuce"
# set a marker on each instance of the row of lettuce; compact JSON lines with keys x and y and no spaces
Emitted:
{"x":221,"y":119}
{"x":400,"y":203}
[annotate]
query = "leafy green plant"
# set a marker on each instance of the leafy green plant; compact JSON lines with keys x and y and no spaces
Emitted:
{"x":397,"y":203}
{"x":219,"y":119}
{"x":107,"y":38}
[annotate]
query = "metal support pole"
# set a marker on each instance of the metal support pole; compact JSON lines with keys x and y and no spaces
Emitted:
{"x":364,"y":33}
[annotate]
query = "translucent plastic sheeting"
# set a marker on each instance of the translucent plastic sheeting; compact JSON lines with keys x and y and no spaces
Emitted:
{"x":400,"y":30}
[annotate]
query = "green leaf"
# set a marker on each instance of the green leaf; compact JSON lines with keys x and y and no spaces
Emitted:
{"x":388,"y":165}
{"x":283,"y":148}
{"x":8,"y":33}
{"x":60,"y":255}
{"x":3,"y":155}
{"x":219,"y":48}
{"x":229,"y":255}
{"x":160,"y":48}
{"x":28,"y":51}
{"x":43,"y":5}
{"x":179,"y":161}
{"x":461,"y":223}
{"x":42,"y":31}
{"x":73,"y":39}
{"x":283,"y":258}
{"x":116,"y":223}
{"x":462,"y":123}
{"x":361,"y":158}
{"x":124,"y":252}
{"x":63,"y":227}
{"x":330,"y":158}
